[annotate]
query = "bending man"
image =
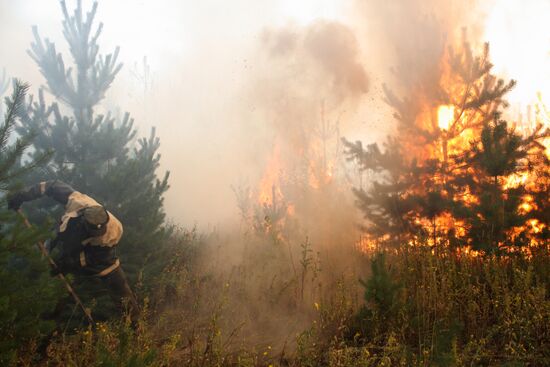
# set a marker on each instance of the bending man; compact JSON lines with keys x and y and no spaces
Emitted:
{"x":86,"y":236}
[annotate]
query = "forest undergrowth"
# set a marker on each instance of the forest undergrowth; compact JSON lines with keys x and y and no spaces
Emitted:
{"x":414,"y":306}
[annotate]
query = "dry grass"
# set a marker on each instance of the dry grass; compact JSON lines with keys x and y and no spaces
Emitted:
{"x":266,"y":308}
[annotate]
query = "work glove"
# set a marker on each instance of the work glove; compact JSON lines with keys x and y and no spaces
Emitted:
{"x":15,"y":201}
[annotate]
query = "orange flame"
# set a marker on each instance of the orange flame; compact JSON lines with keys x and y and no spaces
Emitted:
{"x":269,"y":185}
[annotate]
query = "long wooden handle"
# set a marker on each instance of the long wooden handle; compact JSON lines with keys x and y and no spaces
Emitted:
{"x":60,"y":275}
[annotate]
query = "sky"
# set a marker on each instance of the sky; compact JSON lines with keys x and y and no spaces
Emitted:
{"x":211,"y":65}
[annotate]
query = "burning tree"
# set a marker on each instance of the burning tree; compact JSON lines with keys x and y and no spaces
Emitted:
{"x":449,"y":175}
{"x":505,"y":211}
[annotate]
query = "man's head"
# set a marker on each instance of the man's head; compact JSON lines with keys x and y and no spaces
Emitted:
{"x":95,"y":219}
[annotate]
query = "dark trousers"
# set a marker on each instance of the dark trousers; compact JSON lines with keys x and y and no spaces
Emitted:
{"x":117,"y":286}
{"x":121,"y":294}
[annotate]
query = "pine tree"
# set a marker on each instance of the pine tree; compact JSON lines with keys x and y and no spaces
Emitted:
{"x":502,"y":218}
{"x":27,"y":290}
{"x":95,"y":153}
{"x":423,"y":181}
{"x":383,"y":296}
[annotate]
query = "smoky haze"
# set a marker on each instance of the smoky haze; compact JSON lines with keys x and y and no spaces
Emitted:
{"x":210,"y":84}
{"x":250,"y":99}
{"x":227,"y":82}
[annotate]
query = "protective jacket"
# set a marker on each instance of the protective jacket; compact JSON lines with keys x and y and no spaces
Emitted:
{"x":79,"y":252}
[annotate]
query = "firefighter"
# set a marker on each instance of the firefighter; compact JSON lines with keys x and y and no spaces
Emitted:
{"x":86,"y":237}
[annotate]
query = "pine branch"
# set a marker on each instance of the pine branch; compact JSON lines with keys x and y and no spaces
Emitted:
{"x":11,"y":155}
{"x":14,"y":105}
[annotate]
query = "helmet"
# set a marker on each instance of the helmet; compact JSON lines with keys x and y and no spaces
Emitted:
{"x":95,"y":219}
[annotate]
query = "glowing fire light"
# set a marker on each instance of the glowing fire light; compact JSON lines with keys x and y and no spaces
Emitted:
{"x":445,"y":116}
{"x":269,"y":185}
{"x":527,"y":205}
{"x":516,"y":180}
{"x":536,"y":226}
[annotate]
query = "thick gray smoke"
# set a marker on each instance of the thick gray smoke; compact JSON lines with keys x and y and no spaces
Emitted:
{"x":330,"y":46}
{"x":409,"y":38}
{"x":305,"y":75}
